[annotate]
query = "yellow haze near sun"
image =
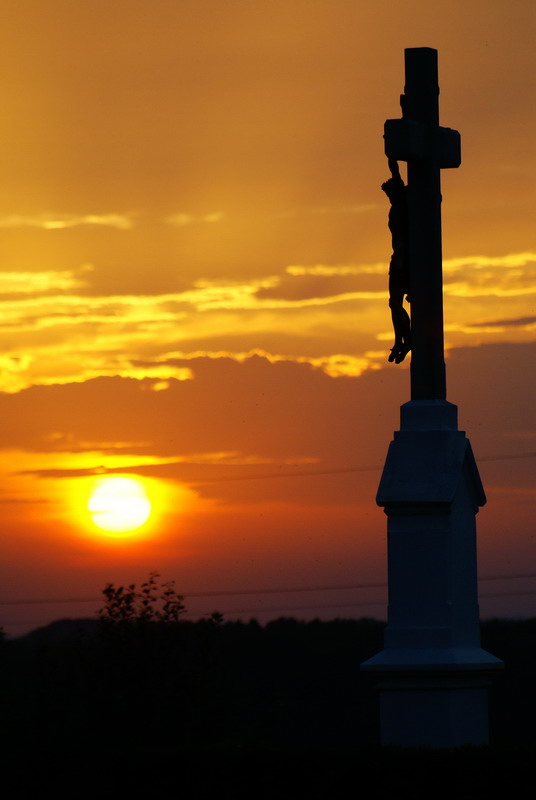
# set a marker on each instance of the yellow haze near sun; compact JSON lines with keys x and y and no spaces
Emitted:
{"x":119,"y":505}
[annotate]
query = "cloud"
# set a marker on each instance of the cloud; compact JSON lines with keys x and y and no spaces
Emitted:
{"x":41,"y":282}
{"x":358,"y":208}
{"x":194,"y":464}
{"x":512,"y":275}
{"x":180,"y":220}
{"x":328,"y":316}
{"x":45,"y":355}
{"x":236,"y":418}
{"x":268,"y":293}
{"x":334,"y":365}
{"x":51,"y":222}
{"x":511,"y":261}
{"x":521,"y":322}
{"x":488,"y":288}
{"x":379,"y":268}
{"x":326,"y":288}
{"x":509,"y":276}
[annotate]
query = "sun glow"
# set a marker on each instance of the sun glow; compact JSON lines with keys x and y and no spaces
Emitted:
{"x":119,"y":505}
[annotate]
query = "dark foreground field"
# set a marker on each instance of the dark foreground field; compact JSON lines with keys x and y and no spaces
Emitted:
{"x":196,"y":709}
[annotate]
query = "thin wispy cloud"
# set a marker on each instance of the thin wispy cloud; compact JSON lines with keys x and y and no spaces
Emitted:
{"x":52,"y":222}
{"x":521,"y":322}
{"x":326,"y":270}
{"x":510,"y":261}
{"x":322,"y":319}
{"x":336,"y":365}
{"x":476,"y":262}
{"x":357,"y":208}
{"x":181,"y":219}
{"x":40,"y":282}
{"x":250,"y":296}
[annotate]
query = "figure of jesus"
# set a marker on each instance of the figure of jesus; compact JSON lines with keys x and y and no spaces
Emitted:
{"x":399,"y":270}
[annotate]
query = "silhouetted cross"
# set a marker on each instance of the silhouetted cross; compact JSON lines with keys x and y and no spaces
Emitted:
{"x":418,"y":139}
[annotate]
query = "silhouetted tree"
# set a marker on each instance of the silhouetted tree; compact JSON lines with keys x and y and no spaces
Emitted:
{"x":152,"y":602}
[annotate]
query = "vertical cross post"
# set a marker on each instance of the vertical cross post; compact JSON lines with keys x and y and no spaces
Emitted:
{"x":428,"y":361}
{"x":418,"y":139}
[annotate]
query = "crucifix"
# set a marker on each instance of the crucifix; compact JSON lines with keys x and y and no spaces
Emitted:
{"x":418,"y":139}
{"x":432,"y":672}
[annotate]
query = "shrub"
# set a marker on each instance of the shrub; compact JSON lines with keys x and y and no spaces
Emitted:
{"x":152,"y":602}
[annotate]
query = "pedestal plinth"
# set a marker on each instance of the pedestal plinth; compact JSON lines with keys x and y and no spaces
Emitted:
{"x":432,"y":673}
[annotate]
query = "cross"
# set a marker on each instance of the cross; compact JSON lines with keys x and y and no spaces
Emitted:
{"x":418,"y":139}
{"x":432,"y":670}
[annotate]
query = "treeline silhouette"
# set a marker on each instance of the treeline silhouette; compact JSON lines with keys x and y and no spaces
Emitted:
{"x":188,"y":684}
{"x":141,"y":685}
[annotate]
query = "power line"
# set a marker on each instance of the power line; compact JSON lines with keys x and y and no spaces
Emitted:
{"x":362,"y":603}
{"x":507,"y":577}
{"x":506,"y":457}
{"x":280,"y":590}
{"x":304,"y":608}
{"x":319,"y":607}
{"x":507,"y":594}
{"x":338,"y":471}
{"x":297,"y":474}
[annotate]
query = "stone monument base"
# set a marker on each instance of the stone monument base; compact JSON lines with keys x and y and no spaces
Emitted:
{"x":432,"y":674}
{"x":439,"y":709}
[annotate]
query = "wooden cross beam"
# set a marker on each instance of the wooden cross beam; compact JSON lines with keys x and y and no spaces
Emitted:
{"x":418,"y":139}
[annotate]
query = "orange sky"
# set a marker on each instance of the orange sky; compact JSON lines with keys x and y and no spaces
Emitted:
{"x":193,"y":258}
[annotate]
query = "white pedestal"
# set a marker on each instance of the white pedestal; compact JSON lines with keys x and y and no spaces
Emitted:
{"x":432,"y":672}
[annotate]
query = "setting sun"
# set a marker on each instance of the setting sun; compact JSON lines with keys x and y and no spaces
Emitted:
{"x":119,"y":505}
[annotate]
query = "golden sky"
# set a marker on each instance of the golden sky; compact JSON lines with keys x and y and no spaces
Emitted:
{"x":193,"y":259}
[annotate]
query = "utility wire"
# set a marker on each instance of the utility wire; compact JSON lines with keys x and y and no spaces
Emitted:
{"x":338,"y":471}
{"x":282,"y":590}
{"x":290,"y":609}
{"x":363,"y":603}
